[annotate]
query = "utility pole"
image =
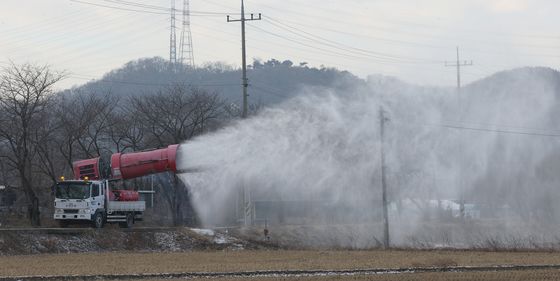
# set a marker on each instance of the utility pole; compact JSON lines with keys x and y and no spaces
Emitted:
{"x":461,"y":110}
{"x":172,"y":36}
{"x":244,"y":55}
{"x":386,"y":238}
{"x":458,"y":64}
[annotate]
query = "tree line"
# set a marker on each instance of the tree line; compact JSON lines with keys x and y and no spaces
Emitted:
{"x":43,"y":131}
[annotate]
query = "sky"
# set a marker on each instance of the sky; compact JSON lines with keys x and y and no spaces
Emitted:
{"x":411,"y":40}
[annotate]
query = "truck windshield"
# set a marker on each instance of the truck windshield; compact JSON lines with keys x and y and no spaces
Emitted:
{"x":66,"y":190}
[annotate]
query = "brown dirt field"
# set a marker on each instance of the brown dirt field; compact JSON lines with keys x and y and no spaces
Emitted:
{"x":108,"y":263}
{"x":461,"y":276}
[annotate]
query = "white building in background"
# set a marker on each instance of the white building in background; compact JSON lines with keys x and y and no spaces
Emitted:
{"x":434,"y":208}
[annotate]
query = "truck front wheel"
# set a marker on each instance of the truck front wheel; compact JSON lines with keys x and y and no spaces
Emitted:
{"x":98,"y":220}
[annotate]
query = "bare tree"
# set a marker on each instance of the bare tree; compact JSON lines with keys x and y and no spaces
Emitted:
{"x":25,"y":95}
{"x":126,"y":131}
{"x":48,"y":160}
{"x":177,"y":114}
{"x":84,"y":122}
{"x":174,"y":116}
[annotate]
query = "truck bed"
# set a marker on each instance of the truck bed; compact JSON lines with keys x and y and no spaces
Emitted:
{"x":126,"y":206}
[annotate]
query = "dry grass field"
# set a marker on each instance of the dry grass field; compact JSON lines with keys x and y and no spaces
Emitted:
{"x":486,"y":276}
{"x":222,"y":261}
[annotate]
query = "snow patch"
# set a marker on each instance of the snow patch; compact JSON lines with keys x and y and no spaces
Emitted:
{"x":217,"y":237}
{"x":202,"y":231}
{"x":167,"y":241}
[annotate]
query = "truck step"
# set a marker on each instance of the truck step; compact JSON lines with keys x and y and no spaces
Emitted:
{"x":116,"y":220}
{"x":116,"y":216}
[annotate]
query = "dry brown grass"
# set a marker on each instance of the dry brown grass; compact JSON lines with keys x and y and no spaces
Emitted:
{"x":110,"y":263}
{"x":461,"y":276}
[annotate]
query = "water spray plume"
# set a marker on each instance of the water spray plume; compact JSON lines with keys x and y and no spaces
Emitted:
{"x":449,"y":186}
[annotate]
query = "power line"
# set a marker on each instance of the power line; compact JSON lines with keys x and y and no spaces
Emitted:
{"x":388,"y":40}
{"x":496,"y":130}
{"x":312,"y":50}
{"x":347,"y":55}
{"x":158,"y":10}
{"x":84,"y":47}
{"x":276,"y":43}
{"x":392,"y":21}
{"x":431,"y":26}
{"x":401,"y":42}
{"x":45,"y":29}
{"x":166,"y":9}
{"x":271,"y":92}
{"x":341,"y":46}
{"x":44,"y":23}
{"x":362,"y":56}
{"x":119,"y":8}
{"x":56,"y":41}
{"x":417,"y":44}
{"x":479,"y":129}
{"x":139,"y":5}
{"x":394,"y":31}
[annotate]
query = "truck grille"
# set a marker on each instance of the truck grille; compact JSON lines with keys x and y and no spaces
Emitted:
{"x":70,"y":211}
{"x":87,"y":171}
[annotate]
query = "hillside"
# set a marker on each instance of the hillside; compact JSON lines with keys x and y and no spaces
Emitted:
{"x":270,"y":82}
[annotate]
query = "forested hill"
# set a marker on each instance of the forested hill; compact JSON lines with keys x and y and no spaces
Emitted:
{"x":273,"y":81}
{"x":270,"y":82}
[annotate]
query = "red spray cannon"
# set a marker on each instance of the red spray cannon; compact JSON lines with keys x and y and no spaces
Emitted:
{"x":128,"y":165}
{"x":137,"y":164}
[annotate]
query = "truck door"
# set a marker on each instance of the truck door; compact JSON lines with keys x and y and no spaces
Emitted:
{"x":97,"y":191}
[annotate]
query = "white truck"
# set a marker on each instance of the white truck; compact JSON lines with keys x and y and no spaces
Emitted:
{"x":93,"y":197}
{"x":94,"y":202}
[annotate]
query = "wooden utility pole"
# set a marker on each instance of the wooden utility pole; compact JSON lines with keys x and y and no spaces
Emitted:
{"x":244,"y":55}
{"x":458,"y":64}
{"x":386,"y":238}
{"x":461,"y":109}
{"x":245,"y":192}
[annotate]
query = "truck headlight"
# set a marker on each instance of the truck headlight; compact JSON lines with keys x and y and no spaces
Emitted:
{"x":58,"y":211}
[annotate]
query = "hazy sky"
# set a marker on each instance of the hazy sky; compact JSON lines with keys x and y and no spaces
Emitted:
{"x":404,"y":38}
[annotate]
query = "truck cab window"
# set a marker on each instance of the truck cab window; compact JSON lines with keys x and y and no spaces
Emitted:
{"x":95,"y":190}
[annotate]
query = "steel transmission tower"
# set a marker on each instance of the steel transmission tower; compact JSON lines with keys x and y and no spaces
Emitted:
{"x":186,"y":46}
{"x":172,"y":36}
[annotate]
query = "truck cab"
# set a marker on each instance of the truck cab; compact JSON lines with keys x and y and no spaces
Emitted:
{"x":80,"y":201}
{"x":94,"y":202}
